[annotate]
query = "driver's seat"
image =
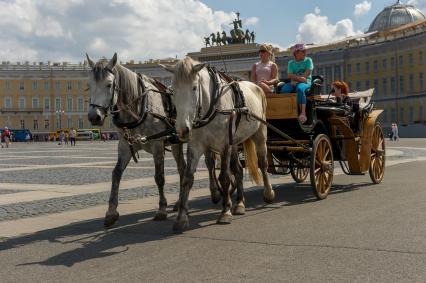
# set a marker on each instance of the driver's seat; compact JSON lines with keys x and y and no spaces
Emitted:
{"x":315,"y":88}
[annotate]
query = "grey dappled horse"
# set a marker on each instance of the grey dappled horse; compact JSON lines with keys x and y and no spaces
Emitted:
{"x":193,"y":87}
{"x":114,"y":88}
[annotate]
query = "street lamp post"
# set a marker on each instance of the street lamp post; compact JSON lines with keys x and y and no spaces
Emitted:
{"x":59,"y":113}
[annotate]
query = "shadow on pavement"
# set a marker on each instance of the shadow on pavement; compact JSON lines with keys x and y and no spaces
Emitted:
{"x":96,"y":242}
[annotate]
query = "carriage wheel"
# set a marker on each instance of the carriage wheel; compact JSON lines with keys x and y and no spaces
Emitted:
{"x":377,"y":161}
{"x":299,"y":172}
{"x":322,"y":166}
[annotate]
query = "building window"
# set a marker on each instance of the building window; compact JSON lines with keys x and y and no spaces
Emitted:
{"x":367,"y":66}
{"x":35,"y":124}
{"x":392,"y":62}
{"x":80,"y":104}
{"x":69,"y":104}
{"x":349,"y":67}
{"x":80,"y":123}
{"x":393,"y":86}
{"x":376,"y":86}
{"x":358,"y":68}
{"x":22,"y":123}
{"x":7,"y":84}
{"x":384,"y":64}
{"x":384,"y":86}
{"x":401,"y":60}
{"x":350,"y":85}
{"x":401,"y":84}
{"x":421,"y":113}
{"x":393,"y":115}
{"x":358,"y":86}
{"x":46,"y":103}
{"x":367,"y":84}
{"x":375,"y":66}
{"x":35,"y":85}
{"x":80,"y":85}
{"x":69,"y":123}
{"x":411,"y":114}
{"x":69,"y":86}
{"x":35,"y":102}
{"x":57,"y":103}
{"x":410,"y":59}
{"x":58,"y":85}
{"x":21,"y":103}
{"x":421,"y":59}
{"x":46,"y":85}
{"x":401,"y":114}
{"x":421,"y":81}
{"x":46,"y":124}
{"x":7,"y":102}
{"x":21,"y":86}
{"x":337,"y":75}
{"x":385,"y":115}
{"x":411,"y":83}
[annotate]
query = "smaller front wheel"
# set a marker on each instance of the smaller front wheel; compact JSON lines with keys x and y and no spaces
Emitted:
{"x":299,"y":171}
{"x":322,"y":167}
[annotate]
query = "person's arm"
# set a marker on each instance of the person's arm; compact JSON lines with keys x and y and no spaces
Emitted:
{"x":253,"y":74}
{"x":274,"y":75}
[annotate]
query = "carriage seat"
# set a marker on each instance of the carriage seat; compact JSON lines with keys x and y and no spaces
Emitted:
{"x":315,"y":88}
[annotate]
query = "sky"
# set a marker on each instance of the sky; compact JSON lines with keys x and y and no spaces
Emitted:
{"x":64,"y":30}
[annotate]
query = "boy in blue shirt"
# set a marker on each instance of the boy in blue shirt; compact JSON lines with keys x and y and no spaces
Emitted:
{"x":299,"y":72}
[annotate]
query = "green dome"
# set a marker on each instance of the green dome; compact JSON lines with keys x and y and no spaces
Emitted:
{"x":395,"y":15}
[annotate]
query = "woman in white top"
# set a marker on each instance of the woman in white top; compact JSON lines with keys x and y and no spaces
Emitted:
{"x":265,"y":72}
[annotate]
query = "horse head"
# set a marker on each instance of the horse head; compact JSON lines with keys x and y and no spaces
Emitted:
{"x":102,"y":89}
{"x":188,"y":89}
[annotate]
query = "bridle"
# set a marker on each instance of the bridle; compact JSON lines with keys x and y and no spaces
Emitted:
{"x":112,"y":106}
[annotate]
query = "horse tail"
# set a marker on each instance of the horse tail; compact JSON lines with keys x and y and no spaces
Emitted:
{"x":251,"y":160}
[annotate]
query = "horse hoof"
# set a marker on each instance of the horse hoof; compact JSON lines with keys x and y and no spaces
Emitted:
{"x":225,"y":218}
{"x":216,"y":197}
{"x":269,"y":198}
{"x":180,"y":225}
{"x":110,"y":219}
{"x":239,"y":210}
{"x":160,"y":215}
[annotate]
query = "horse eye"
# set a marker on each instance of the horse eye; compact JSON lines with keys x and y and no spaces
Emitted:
{"x":194,"y":88}
{"x":109,"y":85}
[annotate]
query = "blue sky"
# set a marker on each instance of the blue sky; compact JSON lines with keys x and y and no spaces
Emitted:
{"x":59,"y":30}
{"x":279,"y":20}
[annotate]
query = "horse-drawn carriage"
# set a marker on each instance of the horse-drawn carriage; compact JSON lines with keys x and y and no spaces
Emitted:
{"x":332,"y":132}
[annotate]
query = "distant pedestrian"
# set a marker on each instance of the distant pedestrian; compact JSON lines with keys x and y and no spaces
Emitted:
{"x":27,"y":138}
{"x":61,"y":138}
{"x":6,"y":135}
{"x":73,"y":134}
{"x":67,"y":137}
{"x":395,"y":135}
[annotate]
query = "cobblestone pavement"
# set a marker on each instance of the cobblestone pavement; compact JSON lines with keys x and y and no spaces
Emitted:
{"x":40,"y":167}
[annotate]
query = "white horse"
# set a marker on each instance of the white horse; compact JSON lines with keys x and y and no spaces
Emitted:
{"x":211,"y":130}
{"x":141,"y":107}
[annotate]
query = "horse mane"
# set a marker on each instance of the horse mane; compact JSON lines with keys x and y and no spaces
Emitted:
{"x":183,"y":70}
{"x":125,"y":79}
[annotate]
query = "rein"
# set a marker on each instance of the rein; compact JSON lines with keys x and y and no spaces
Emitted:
{"x":218,"y":91}
{"x":169,"y":134}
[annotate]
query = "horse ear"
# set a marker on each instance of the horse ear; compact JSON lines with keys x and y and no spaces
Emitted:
{"x":112,"y":62}
{"x":168,"y":68}
{"x":91,"y":63}
{"x":198,"y":67}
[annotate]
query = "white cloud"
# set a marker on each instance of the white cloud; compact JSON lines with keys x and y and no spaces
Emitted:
{"x":59,"y":30}
{"x":317,"y":10}
{"x":317,"y":29}
{"x":362,"y":8}
{"x":419,"y":4}
{"x":252,"y":21}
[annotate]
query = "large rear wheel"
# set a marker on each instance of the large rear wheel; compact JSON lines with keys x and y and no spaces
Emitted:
{"x":378,"y":156}
{"x":322,"y":166}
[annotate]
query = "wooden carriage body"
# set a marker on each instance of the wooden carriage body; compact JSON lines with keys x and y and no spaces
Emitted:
{"x":329,"y":135}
